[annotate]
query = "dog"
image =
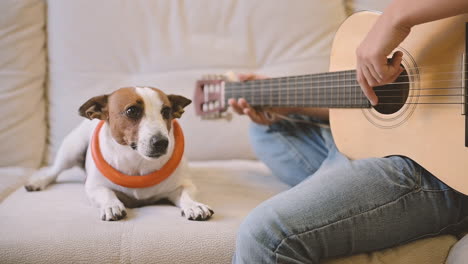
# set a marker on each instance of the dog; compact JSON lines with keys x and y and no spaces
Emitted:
{"x":128,"y":141}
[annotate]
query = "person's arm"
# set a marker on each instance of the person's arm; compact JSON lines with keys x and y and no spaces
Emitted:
{"x":389,"y":31}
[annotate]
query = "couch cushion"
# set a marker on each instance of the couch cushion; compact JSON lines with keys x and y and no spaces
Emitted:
{"x":371,"y":5}
{"x":98,"y":46}
{"x":22,"y":75}
{"x":428,"y":251}
{"x":11,"y":178}
{"x":58,"y":225}
{"x":459,"y":252}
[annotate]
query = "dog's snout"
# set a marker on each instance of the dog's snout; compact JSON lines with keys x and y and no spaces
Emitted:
{"x":159,"y":144}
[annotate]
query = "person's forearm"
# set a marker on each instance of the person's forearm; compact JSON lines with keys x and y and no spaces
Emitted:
{"x":408,"y":13}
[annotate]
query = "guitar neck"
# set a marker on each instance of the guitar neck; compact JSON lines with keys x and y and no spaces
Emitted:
{"x":327,"y":90}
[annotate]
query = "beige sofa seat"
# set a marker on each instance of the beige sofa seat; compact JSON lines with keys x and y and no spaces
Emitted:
{"x":59,"y":225}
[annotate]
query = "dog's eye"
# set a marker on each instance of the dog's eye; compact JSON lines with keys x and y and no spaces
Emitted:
{"x":133,"y":112}
{"x":166,"y":112}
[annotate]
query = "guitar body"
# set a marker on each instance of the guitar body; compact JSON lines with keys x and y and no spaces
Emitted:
{"x":432,"y":135}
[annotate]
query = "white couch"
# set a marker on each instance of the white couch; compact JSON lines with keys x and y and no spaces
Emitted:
{"x":55,"y":54}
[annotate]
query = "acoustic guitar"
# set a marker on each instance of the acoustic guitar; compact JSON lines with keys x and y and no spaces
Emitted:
{"x":421,"y":115}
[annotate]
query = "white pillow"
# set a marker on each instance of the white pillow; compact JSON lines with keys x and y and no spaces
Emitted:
{"x":22,"y":76}
{"x":98,"y":46}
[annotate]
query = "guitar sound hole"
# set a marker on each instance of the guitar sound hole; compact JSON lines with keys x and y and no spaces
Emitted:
{"x":392,"y":97}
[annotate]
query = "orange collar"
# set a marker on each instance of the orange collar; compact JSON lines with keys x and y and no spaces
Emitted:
{"x":138,"y":181}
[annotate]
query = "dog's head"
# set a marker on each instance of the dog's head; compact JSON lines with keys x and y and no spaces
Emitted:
{"x":138,"y":117}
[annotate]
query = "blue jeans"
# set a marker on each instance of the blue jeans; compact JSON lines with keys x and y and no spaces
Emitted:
{"x":338,"y":206}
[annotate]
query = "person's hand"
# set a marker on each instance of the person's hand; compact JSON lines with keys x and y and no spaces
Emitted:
{"x":372,"y":67}
{"x":241,"y":106}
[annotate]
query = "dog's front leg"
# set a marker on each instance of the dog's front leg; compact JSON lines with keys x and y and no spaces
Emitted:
{"x":111,"y":208}
{"x":191,"y":209}
{"x":71,"y":153}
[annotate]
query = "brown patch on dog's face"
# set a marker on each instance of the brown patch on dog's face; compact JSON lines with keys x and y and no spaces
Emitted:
{"x":126,"y":109}
{"x":123,"y":109}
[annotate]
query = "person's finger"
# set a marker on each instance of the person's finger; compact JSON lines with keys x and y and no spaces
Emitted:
{"x":395,"y":63}
{"x":246,"y":77}
{"x":365,"y":87}
{"x":235,"y":106}
{"x":377,"y":76}
{"x":243,"y":103}
{"x":256,"y":116}
{"x":250,"y":76}
{"x":368,"y":75}
{"x":396,"y":75}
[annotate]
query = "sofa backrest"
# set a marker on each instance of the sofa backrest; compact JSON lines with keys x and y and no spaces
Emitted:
{"x":373,"y":5}
{"x":22,"y":77}
{"x":96,"y":47}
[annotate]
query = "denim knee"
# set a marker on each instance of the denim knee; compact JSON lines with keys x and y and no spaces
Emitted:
{"x":292,"y":157}
{"x":257,"y":238}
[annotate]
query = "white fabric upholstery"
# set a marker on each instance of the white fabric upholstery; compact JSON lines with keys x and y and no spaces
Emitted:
{"x":12,"y":178}
{"x":432,"y":250}
{"x":459,"y":252}
{"x":98,"y":46}
{"x":58,"y":225}
{"x":22,"y":75}
{"x":373,"y":5}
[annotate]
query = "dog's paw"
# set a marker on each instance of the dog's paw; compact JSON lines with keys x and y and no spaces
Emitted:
{"x":113,"y":212}
{"x":198,"y":212}
{"x":39,"y":180}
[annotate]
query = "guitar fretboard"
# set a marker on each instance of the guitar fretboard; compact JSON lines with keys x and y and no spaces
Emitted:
{"x":328,"y":90}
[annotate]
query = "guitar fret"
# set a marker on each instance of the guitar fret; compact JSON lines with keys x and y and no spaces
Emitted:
{"x":301,"y":80}
{"x":295,"y":91}
{"x":343,"y":96}
{"x":261,"y":93}
{"x":342,"y":85}
{"x":329,"y":84}
{"x":318,"y":94}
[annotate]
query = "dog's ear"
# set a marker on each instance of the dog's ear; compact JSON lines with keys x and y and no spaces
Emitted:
{"x":178,"y":103}
{"x":95,"y":107}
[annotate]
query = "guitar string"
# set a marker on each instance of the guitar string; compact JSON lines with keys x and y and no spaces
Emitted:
{"x":301,"y":96}
{"x":312,"y":97}
{"x":350,"y":87}
{"x":285,"y":86}
{"x":345,"y":101}
{"x":315,"y":97}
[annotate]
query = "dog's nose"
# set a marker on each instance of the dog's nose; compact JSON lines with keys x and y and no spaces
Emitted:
{"x":159,"y":144}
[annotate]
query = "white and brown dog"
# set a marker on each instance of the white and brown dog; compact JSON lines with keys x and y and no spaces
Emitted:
{"x":132,"y":150}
